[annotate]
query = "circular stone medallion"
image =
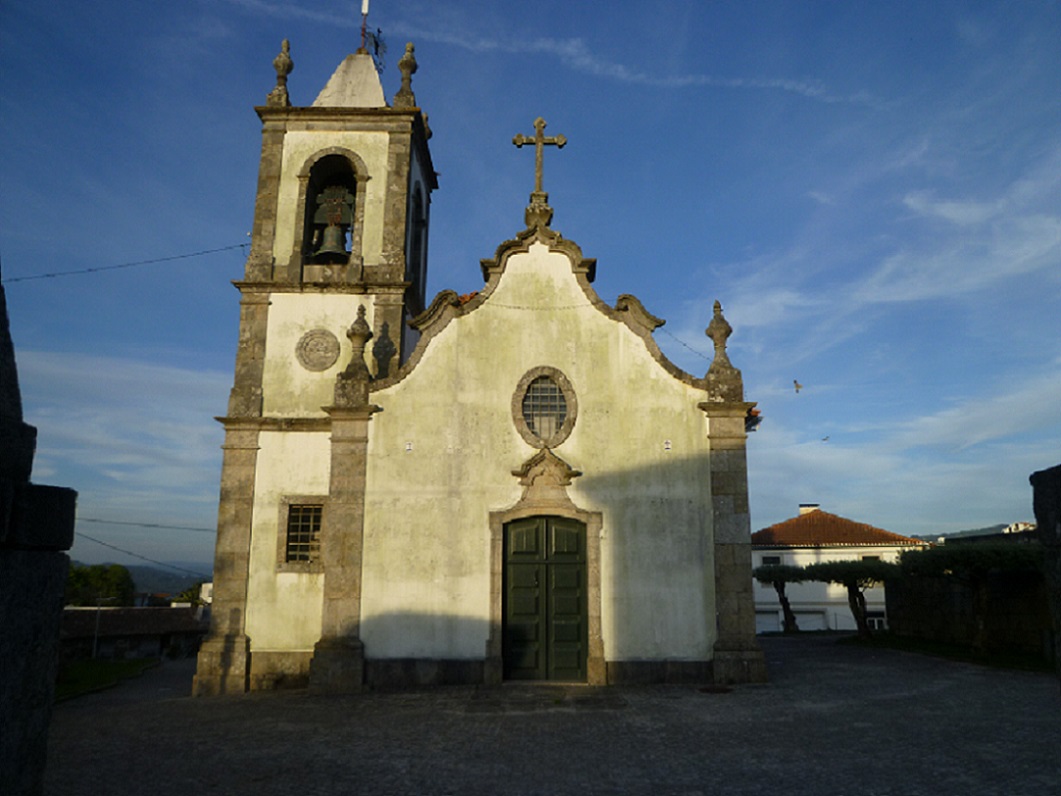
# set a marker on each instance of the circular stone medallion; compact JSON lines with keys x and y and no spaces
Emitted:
{"x":317,"y":350}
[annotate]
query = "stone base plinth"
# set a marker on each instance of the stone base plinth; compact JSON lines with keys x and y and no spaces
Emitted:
{"x":653,"y":672}
{"x":740,"y":666}
{"x":338,"y":667}
{"x":223,"y":667}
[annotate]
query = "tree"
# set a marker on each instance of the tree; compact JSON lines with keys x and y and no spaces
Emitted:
{"x":190,"y":595}
{"x":99,"y":583}
{"x":856,"y":577}
{"x":777,"y":575}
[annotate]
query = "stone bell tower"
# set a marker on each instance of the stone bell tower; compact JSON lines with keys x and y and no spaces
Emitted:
{"x":340,"y":233}
{"x":342,"y":207}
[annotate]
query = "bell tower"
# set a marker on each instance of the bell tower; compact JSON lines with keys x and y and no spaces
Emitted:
{"x":343,"y":201}
{"x":340,"y":233}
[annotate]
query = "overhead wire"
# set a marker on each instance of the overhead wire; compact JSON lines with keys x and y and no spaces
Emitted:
{"x":146,"y":525}
{"x":101,"y":268}
{"x":142,"y":558}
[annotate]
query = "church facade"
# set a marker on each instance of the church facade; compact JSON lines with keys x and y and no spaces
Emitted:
{"x":512,"y":484}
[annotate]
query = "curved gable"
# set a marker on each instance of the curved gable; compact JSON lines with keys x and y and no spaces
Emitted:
{"x":508,"y":265}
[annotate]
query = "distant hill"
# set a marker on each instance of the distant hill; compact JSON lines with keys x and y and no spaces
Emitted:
{"x":989,"y":530}
{"x":154,"y":580}
{"x":163,"y":581}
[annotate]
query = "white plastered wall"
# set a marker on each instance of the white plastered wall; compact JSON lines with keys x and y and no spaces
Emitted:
{"x":440,"y":459}
{"x":284,"y":608}
{"x":289,"y":389}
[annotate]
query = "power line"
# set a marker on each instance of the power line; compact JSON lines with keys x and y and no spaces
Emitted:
{"x":142,"y":558}
{"x":126,"y":265}
{"x":700,"y":354}
{"x":147,"y":525}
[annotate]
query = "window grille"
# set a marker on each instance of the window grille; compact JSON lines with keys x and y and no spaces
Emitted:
{"x":544,"y":407}
{"x":303,"y":533}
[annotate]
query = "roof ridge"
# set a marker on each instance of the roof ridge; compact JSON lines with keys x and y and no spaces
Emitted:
{"x":818,"y":528}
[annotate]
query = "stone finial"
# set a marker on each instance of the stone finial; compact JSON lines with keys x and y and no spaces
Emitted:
{"x":384,"y":350}
{"x":719,"y":331}
{"x":351,"y":386}
{"x":407,"y":65}
{"x":283,"y":65}
{"x":724,"y":383}
{"x":538,"y":213}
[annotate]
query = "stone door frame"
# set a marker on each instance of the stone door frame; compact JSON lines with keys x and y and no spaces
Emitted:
{"x":596,"y":670}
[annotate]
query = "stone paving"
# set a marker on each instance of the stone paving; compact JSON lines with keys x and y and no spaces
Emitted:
{"x":835,"y":720}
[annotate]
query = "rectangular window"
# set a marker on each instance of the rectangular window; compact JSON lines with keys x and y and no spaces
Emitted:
{"x":303,"y":533}
{"x":771,"y":561}
{"x":871,"y":558}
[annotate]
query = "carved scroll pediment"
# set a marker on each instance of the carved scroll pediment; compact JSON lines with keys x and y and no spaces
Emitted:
{"x":545,"y":478}
{"x":546,"y":467}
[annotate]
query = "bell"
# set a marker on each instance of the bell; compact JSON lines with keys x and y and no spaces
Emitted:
{"x":333,"y":245}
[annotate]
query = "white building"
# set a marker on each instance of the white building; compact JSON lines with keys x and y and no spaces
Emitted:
{"x":515,"y":484}
{"x":811,"y":538}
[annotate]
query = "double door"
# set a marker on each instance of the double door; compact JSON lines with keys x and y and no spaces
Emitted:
{"x":545,"y":604}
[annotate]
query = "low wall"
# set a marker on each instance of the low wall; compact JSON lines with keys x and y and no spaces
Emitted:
{"x":1016,"y":616}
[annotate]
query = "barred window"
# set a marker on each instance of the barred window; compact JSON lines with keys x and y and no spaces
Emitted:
{"x":544,"y":407}
{"x":303,"y":532}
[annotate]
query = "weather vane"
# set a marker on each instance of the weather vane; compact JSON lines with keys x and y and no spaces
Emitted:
{"x":379,"y":47}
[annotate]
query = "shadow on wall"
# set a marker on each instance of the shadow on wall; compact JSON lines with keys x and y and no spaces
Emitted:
{"x":424,"y":649}
{"x":657,"y":556}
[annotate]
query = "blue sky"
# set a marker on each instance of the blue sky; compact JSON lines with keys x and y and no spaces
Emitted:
{"x":872,"y":190}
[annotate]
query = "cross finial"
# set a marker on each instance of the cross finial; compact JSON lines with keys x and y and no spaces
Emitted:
{"x":538,"y":212}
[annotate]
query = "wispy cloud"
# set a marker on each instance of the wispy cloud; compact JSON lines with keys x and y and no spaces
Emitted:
{"x":577,"y":55}
{"x":962,"y":466}
{"x":961,"y":213}
{"x":124,"y":432}
{"x":1032,"y":404}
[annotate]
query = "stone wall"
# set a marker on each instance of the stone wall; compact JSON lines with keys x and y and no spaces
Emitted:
{"x":36,"y":526}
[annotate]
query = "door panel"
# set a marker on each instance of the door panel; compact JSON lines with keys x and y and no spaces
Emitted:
{"x":545,"y":626}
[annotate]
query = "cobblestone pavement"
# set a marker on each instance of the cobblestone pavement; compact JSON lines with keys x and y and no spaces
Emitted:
{"x":834,"y":720}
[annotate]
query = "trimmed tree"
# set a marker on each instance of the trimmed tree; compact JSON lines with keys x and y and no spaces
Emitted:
{"x":856,"y":577}
{"x":778,"y":575}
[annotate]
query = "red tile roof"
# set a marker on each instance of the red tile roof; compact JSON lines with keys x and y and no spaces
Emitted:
{"x":820,"y":529}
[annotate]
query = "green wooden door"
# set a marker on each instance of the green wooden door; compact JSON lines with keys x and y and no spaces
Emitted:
{"x":545,"y":627}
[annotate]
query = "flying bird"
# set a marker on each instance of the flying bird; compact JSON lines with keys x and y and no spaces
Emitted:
{"x":797,"y":385}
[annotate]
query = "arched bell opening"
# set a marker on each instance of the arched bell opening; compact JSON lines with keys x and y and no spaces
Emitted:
{"x":331,"y":198}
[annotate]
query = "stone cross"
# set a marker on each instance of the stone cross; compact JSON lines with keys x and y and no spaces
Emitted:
{"x":540,"y":141}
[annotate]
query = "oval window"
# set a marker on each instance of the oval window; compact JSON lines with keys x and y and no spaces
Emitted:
{"x":544,"y":407}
